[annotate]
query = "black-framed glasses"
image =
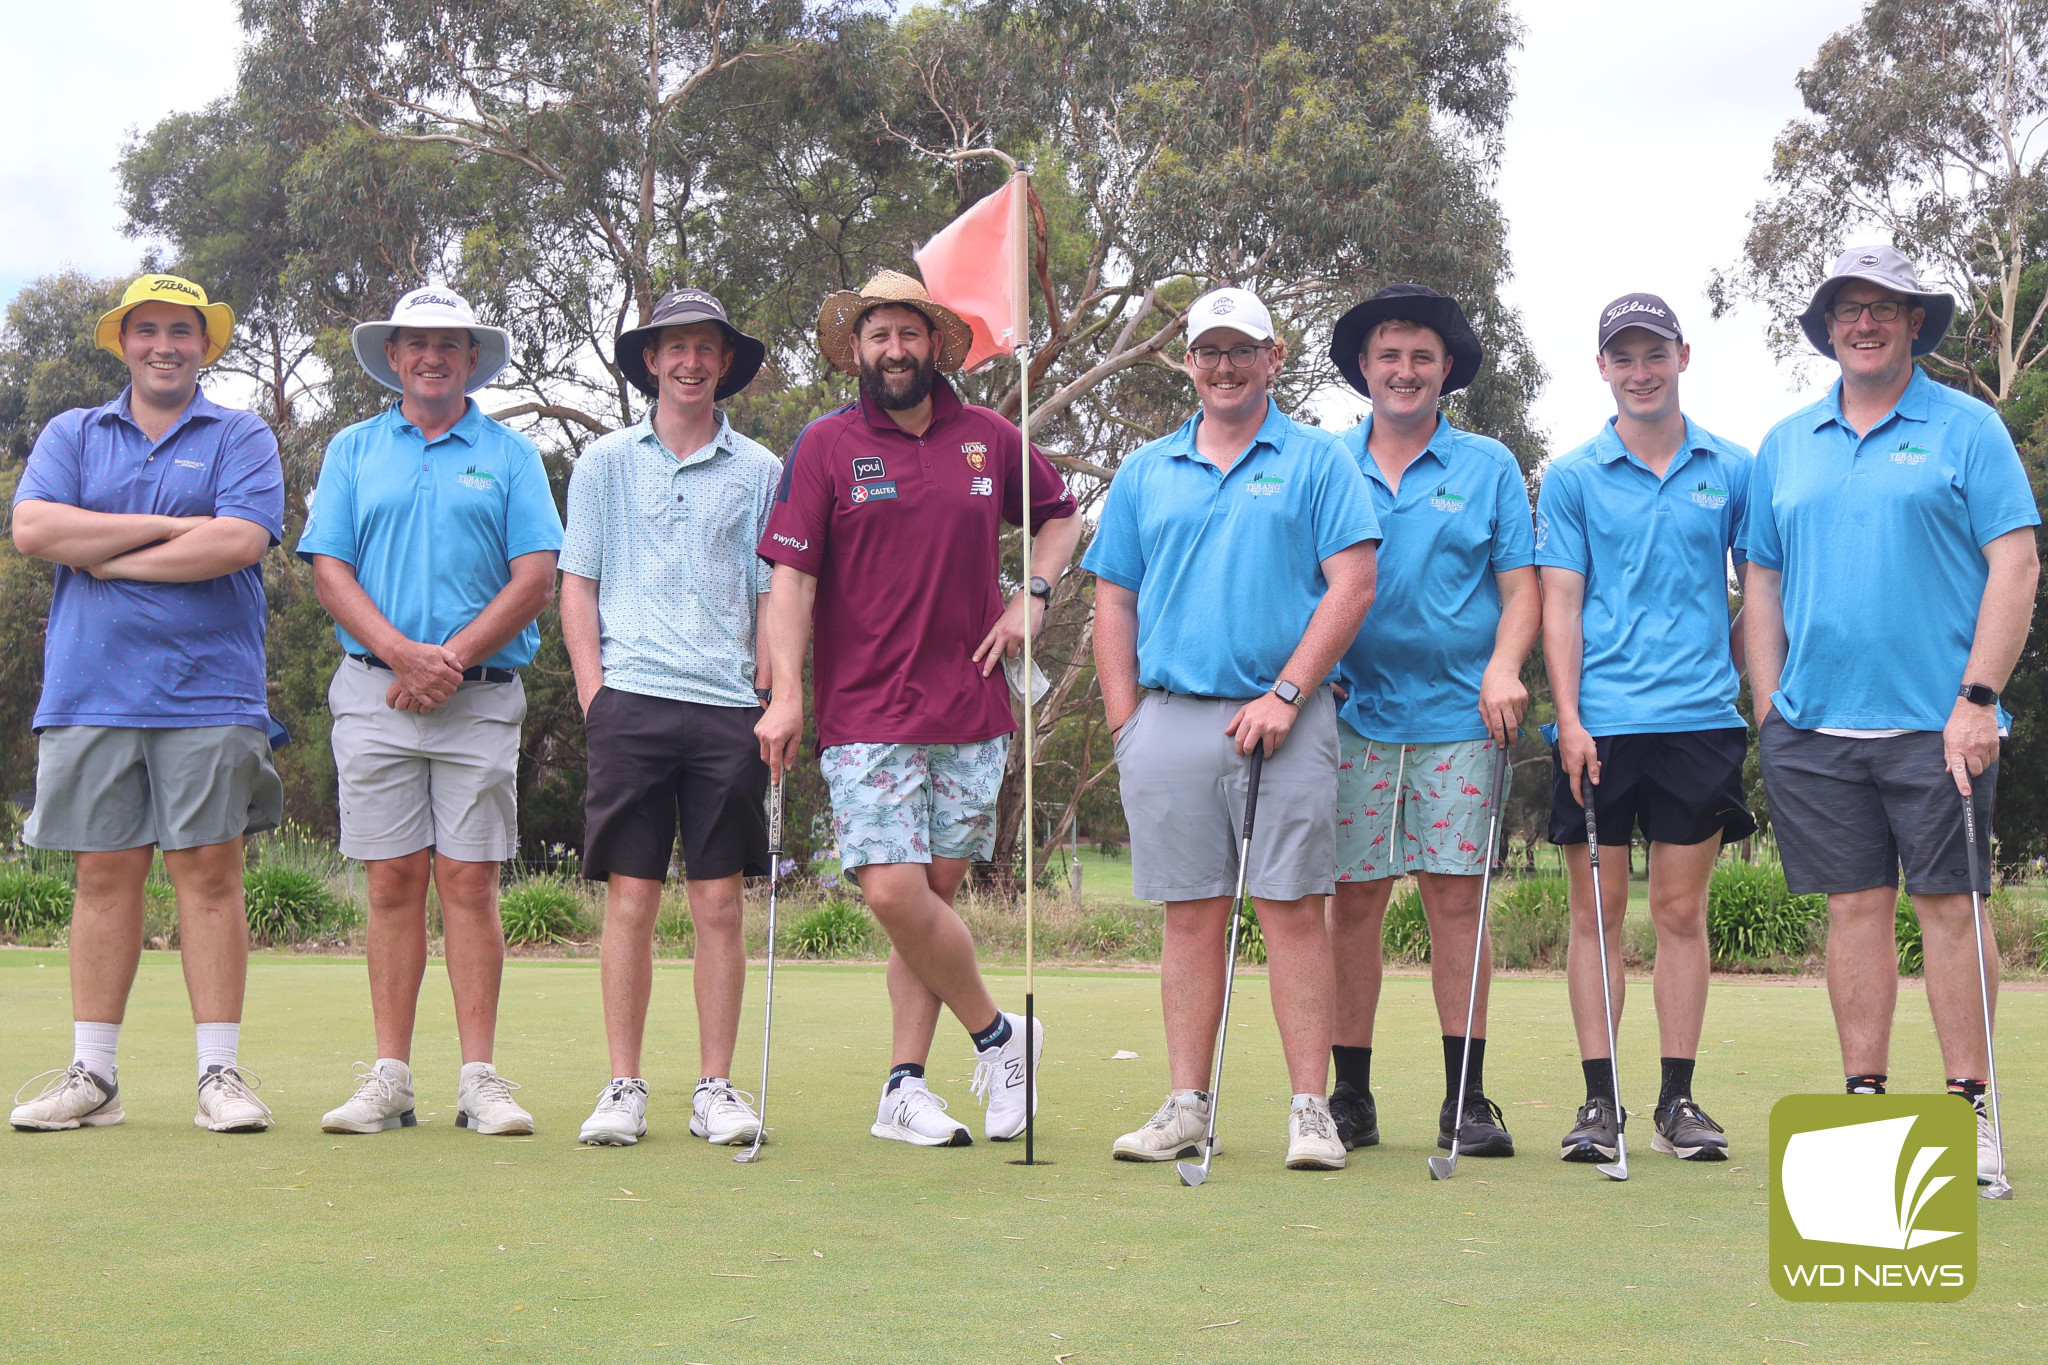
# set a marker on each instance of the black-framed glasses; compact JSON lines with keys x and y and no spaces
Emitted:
{"x":1241,"y":357}
{"x":1884,"y":310}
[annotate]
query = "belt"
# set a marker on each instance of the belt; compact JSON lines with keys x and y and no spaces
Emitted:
{"x":477,"y":674}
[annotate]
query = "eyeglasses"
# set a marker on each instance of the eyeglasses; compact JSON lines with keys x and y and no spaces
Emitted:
{"x":1241,"y":357}
{"x":1884,"y":310}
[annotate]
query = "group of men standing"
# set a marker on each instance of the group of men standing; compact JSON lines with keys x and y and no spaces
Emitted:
{"x":1357,"y":608}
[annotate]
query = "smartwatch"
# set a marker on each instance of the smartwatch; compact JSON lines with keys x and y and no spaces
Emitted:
{"x":1040,"y":589}
{"x":1287,"y":692}
{"x":766,"y":694}
{"x":1977,"y":694}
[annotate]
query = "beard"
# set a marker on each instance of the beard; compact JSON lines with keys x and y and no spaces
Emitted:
{"x":899,"y":391}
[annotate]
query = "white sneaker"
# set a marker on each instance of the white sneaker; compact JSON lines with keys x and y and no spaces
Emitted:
{"x":723,"y":1114}
{"x":620,"y":1119}
{"x":74,"y":1098}
{"x":912,"y":1113}
{"x":383,"y":1099}
{"x":1312,"y":1141}
{"x":1173,"y":1133}
{"x":228,"y":1104}
{"x":1987,"y":1142}
{"x":484,"y":1103}
{"x":999,"y":1080}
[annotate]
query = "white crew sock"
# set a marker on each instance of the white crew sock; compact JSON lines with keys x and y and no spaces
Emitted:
{"x":217,"y":1044}
{"x":394,"y":1068}
{"x":94,"y":1044}
{"x":1301,"y":1102}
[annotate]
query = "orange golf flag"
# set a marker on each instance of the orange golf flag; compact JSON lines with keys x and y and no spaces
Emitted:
{"x":971,"y":268}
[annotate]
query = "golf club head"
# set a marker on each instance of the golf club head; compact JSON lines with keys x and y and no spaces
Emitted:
{"x":1618,"y":1168}
{"x":1997,"y":1188}
{"x":748,"y":1157}
{"x":1191,"y":1172}
{"x":1442,"y":1167}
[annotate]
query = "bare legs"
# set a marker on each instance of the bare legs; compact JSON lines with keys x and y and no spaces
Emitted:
{"x":1357,"y":918}
{"x":213,"y":930}
{"x":474,"y":941}
{"x":1191,"y":974}
{"x":1863,"y":978}
{"x":931,"y":954}
{"x":632,"y":905}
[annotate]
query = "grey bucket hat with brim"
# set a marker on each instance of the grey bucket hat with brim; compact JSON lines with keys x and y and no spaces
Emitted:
{"x":1887,"y":267}
{"x":680,"y":308}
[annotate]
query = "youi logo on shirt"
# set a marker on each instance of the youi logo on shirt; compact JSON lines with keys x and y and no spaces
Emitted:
{"x":1709,"y":495}
{"x":1264,"y":485}
{"x":482,"y":480}
{"x":1447,"y":500}
{"x":1910,"y":454}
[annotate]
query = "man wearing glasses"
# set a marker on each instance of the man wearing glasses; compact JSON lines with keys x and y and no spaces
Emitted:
{"x":1235,"y":561}
{"x":1892,"y":573}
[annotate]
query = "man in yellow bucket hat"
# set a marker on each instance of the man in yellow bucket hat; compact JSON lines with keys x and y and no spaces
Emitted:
{"x":153,"y":733}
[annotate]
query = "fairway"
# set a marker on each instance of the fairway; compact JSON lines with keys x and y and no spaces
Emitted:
{"x":157,"y":1241}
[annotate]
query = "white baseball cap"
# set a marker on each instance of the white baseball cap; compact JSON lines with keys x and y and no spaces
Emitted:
{"x":1237,"y":309}
{"x":431,"y":306}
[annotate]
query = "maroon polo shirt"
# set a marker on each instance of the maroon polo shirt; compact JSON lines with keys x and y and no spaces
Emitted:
{"x":901,"y":533}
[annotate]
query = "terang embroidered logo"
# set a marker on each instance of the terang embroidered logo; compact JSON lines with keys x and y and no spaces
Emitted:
{"x":1910,"y":454}
{"x":976,"y":453}
{"x":1709,"y":495}
{"x":1264,"y":485}
{"x":482,"y":480}
{"x":1447,"y":500}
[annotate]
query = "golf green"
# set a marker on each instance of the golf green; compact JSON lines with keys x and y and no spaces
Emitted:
{"x":158,"y":1241}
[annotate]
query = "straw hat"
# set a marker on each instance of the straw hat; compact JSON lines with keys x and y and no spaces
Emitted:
{"x":220,"y":319}
{"x":841,"y":312}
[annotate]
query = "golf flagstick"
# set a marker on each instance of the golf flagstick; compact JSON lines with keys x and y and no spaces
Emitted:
{"x":1190,"y":1173}
{"x":1020,"y":199}
{"x":1618,"y":1168}
{"x":1998,"y":1187}
{"x":753,"y":1153}
{"x":1442,"y":1167}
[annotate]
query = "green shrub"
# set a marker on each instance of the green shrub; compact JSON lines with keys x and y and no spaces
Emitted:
{"x":287,"y":904}
{"x":1404,"y":937}
{"x":33,"y":904}
{"x":1752,"y":917}
{"x":1108,"y":933}
{"x":838,"y":929}
{"x":1532,"y":922}
{"x":541,"y":910}
{"x":1251,"y":939}
{"x":1906,"y":929}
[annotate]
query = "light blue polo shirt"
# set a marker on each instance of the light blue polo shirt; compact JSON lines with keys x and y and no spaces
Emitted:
{"x":1228,"y":567}
{"x":431,"y":528}
{"x":1460,"y":517}
{"x":1655,"y":556}
{"x":671,"y":542}
{"x":1880,"y":543}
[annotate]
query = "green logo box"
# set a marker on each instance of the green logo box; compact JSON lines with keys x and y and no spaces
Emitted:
{"x":1873,"y":1198}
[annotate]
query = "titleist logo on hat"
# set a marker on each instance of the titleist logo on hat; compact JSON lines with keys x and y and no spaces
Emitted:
{"x":167,"y":285}
{"x":428,"y":298}
{"x":1646,"y":311}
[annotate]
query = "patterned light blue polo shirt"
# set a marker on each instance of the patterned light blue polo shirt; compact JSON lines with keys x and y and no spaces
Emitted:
{"x":671,"y":544}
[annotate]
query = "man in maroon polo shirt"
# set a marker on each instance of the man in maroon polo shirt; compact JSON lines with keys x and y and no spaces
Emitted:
{"x":885,"y":533}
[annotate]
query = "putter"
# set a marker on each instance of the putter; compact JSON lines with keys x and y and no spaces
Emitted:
{"x":1190,"y":1172}
{"x":1444,"y":1167}
{"x":1617,"y":1169}
{"x":753,"y":1153}
{"x":1997,"y":1187}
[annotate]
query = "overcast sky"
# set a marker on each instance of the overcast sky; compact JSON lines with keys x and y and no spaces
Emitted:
{"x":1640,"y":138}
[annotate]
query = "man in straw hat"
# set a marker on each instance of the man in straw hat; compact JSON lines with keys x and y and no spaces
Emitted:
{"x":1892,"y":569}
{"x":153,"y":732}
{"x":1234,"y":562}
{"x":885,"y":534}
{"x":1434,"y":684}
{"x":432,"y":537}
{"x":660,"y":601}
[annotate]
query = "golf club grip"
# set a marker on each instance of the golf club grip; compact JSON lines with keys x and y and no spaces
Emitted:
{"x":1251,"y":796}
{"x":774,"y":823}
{"x":1592,"y":831}
{"x":1970,"y":837}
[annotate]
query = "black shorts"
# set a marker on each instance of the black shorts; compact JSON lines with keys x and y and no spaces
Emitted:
{"x":1681,"y":788}
{"x":1847,"y":812}
{"x":655,"y":764}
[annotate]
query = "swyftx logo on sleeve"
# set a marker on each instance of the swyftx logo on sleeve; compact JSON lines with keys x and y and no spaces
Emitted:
{"x":1873,"y":1198}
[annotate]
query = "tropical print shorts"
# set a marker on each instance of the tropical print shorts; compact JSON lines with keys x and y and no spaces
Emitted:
{"x":1405,"y":808}
{"x":909,"y":803}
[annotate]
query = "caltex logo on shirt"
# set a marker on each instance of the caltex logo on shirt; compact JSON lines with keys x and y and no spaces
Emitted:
{"x":1910,"y":454}
{"x":1709,"y":495}
{"x":482,"y":480}
{"x":1445,"y":500}
{"x":1265,"y":485}
{"x":1873,"y":1198}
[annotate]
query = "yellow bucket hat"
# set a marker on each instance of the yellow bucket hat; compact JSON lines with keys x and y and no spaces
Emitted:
{"x":220,"y":319}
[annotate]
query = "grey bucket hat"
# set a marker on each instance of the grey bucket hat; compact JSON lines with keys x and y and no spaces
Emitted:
{"x":1880,"y":265}
{"x":679,"y":308}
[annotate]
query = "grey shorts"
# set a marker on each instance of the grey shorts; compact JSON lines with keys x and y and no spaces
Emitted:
{"x":1184,"y":787}
{"x":445,"y":780}
{"x":102,"y":788}
{"x":1848,"y":812}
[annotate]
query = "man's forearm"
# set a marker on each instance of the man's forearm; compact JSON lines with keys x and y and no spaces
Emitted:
{"x":1521,"y":618}
{"x":1052,"y":549}
{"x":764,"y":667}
{"x":1335,"y":622}
{"x":76,"y":538}
{"x":2006,"y":610}
{"x":531,"y":588}
{"x":1763,"y":634}
{"x":343,"y":598}
{"x":1116,"y":654}
{"x":222,"y":546}
{"x":582,"y":632}
{"x":792,"y":597}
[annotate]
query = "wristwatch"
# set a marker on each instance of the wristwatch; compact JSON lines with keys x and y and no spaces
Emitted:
{"x":1040,"y":589}
{"x":766,"y":694}
{"x":1977,"y":694}
{"x":1287,"y":692}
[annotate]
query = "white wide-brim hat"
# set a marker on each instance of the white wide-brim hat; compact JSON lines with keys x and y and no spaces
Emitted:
{"x":432,"y":306}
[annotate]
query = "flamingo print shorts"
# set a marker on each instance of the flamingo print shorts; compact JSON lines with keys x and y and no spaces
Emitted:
{"x":1405,"y":808}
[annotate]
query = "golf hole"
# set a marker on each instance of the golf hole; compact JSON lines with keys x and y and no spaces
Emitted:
{"x":1020,"y":1161}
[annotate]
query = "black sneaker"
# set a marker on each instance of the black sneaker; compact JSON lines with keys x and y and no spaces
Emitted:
{"x":1595,"y":1136}
{"x":1685,"y":1131}
{"x":1480,"y":1132}
{"x":1358,"y":1118}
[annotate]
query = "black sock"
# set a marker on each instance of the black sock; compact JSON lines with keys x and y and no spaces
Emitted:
{"x":1677,"y":1081}
{"x":995,"y":1035}
{"x":1454,"y":1062}
{"x":1967,"y":1088}
{"x":1871,"y":1084}
{"x":901,"y":1072}
{"x":1599,"y":1078}
{"x":1354,"y":1067}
